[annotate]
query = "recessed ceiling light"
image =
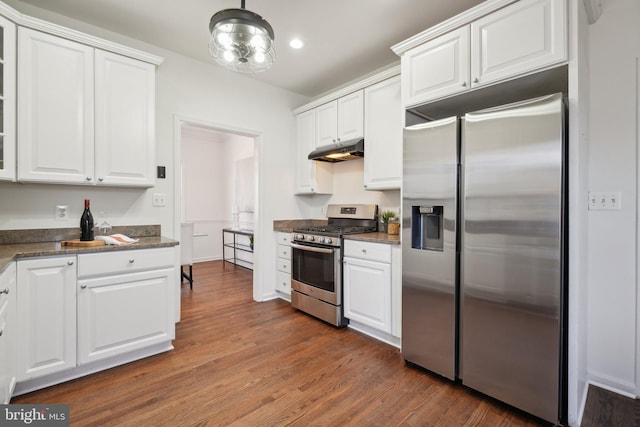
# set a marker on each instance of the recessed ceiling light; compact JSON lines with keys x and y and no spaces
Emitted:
{"x":296,"y":43}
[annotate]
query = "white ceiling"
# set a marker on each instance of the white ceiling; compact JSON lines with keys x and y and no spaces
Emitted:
{"x":344,"y":39}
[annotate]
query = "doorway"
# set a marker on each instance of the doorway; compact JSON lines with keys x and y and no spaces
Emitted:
{"x":216,"y":182}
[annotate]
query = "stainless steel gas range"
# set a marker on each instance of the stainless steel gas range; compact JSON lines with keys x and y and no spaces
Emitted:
{"x":316,"y":278}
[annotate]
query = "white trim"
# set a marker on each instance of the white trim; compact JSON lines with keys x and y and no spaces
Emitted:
{"x":70,"y":34}
{"x":611,"y":383}
{"x":182,"y":120}
{"x":350,"y":88}
{"x":450,"y":24}
{"x":637,"y":379}
{"x":611,"y":389}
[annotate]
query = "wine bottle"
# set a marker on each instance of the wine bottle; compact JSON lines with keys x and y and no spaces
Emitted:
{"x":86,"y":223}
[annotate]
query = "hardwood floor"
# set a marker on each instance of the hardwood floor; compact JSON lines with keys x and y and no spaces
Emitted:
{"x":605,"y":408}
{"x":238,"y":362}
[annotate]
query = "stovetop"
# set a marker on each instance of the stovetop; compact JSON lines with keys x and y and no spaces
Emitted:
{"x":335,"y":230}
{"x":342,"y":220}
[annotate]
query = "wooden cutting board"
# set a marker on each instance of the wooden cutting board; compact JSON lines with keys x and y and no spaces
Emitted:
{"x":79,"y":243}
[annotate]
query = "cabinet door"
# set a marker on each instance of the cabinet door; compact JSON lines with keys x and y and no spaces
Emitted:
{"x":383,"y":136}
{"x":7,"y":100}
{"x":312,"y":177}
{"x":7,"y":333}
{"x":523,"y":37}
{"x":367,"y":293}
{"x":326,"y":124}
{"x":46,"y":304}
{"x":55,"y":109}
{"x":436,"y":69}
{"x":125,"y":120}
{"x":119,"y":314}
{"x":351,"y":116}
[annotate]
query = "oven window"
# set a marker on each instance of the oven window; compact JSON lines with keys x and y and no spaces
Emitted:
{"x":314,"y":268}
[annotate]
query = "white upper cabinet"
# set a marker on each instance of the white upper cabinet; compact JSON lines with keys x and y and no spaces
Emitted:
{"x":528,"y":35}
{"x":383,"y":135}
{"x":312,"y":177}
{"x":7,"y":100}
{"x":63,"y":87}
{"x":125,"y":120}
{"x":518,"y":39}
{"x":351,"y":116}
{"x":55,"y":109}
{"x":326,"y":124}
{"x":436,"y":69}
{"x":340,"y":120}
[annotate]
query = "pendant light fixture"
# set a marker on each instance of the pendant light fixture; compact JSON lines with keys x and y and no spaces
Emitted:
{"x":241,"y":40}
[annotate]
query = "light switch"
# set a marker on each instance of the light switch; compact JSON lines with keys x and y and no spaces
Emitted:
{"x":605,"y":201}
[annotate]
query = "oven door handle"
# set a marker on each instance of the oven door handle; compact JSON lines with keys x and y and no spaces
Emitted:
{"x":312,"y":249}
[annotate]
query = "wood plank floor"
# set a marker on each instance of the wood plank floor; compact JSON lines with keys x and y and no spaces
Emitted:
{"x":238,"y":362}
{"x":605,"y":408}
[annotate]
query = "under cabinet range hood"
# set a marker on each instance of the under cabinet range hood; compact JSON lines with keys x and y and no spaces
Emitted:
{"x":348,"y":150}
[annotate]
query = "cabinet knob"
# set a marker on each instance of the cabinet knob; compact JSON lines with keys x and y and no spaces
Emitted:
{"x":476,"y":80}
{"x":364,"y":251}
{"x":100,"y":179}
{"x":83,"y":286}
{"x":88,"y":178}
{"x":464,"y":84}
{"x":5,"y":291}
{"x":69,"y":262}
{"x":131,"y":260}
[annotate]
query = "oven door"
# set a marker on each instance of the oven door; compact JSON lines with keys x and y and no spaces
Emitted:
{"x":316,"y":271}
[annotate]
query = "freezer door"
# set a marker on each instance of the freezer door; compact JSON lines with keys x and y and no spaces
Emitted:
{"x":429,"y":245}
{"x":511,"y":276}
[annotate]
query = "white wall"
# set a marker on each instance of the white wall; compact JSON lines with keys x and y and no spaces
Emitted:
{"x":612,"y":259}
{"x":209,"y":186}
{"x":194,"y":89}
{"x":348,"y":187}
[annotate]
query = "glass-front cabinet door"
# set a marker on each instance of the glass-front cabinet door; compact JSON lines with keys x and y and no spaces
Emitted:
{"x":7,"y":100}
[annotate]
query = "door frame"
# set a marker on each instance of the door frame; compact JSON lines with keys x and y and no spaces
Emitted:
{"x":181,"y":121}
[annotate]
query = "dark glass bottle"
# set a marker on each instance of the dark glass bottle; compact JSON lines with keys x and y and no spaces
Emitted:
{"x":86,"y":223}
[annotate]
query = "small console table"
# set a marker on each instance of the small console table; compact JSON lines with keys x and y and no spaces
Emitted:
{"x":237,"y":247}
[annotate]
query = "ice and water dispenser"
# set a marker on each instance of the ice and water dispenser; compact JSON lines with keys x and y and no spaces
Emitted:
{"x":427,"y":227}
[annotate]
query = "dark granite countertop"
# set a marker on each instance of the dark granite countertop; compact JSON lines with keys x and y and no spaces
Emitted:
{"x":287,"y":225}
{"x":391,"y":239}
{"x":17,"y":244}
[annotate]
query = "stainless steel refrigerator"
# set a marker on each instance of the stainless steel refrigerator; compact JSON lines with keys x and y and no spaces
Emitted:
{"x":483,"y":252}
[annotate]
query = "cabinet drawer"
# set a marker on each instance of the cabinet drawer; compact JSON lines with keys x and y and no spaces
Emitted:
{"x":370,"y":251}
{"x":124,"y":261}
{"x":284,"y":252}
{"x":283,"y":282}
{"x":284,"y":238}
{"x":284,"y":265}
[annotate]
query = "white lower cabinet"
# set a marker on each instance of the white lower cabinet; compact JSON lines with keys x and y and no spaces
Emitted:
{"x":283,"y":263}
{"x":46,"y":301}
{"x":76,"y":310}
{"x":7,"y":333}
{"x":368,"y":284}
{"x":125,"y":302}
{"x":122,"y":313}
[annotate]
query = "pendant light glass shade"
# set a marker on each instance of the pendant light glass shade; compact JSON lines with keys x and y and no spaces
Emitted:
{"x":241,"y":40}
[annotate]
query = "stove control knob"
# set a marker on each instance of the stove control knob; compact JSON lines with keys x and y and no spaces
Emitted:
{"x":328,"y":240}
{"x":299,"y":236}
{"x":311,"y":238}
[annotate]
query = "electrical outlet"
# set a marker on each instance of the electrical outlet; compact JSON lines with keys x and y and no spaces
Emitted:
{"x":605,"y":201}
{"x":159,"y":199}
{"x":61,"y":213}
